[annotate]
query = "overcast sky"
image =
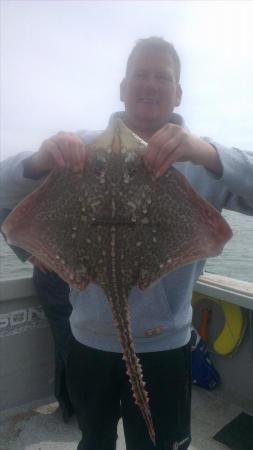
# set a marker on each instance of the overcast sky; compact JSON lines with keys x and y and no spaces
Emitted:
{"x":62,"y":62}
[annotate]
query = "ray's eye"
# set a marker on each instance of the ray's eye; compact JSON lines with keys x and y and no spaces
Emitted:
{"x":99,"y":167}
{"x":131,"y":164}
{"x":131,"y":168}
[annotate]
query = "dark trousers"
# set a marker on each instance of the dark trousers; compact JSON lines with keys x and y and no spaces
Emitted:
{"x":101,"y":393}
{"x":53,"y":295}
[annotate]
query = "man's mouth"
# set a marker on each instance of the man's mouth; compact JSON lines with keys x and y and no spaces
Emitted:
{"x":149,"y":101}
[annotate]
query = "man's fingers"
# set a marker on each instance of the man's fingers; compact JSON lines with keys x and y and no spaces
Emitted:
{"x":72,"y":150}
{"x":80,"y":152}
{"x":166,"y":165}
{"x":153,"y":146}
{"x":159,"y":143}
{"x":67,"y":151}
{"x":56,"y":153}
{"x":159,"y":155}
{"x":170,"y":150}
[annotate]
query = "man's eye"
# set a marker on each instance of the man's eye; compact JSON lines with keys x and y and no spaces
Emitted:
{"x":140,"y":75}
{"x":165,"y":78}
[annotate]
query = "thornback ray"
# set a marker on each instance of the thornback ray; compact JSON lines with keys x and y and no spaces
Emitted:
{"x":119,"y":226}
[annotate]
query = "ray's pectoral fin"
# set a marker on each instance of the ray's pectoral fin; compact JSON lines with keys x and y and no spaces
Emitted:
{"x":47,"y":227}
{"x":182,"y":232}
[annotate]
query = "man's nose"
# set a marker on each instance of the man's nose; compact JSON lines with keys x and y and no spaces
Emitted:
{"x":151,"y":83}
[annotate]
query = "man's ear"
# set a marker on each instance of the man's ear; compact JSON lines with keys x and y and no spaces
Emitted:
{"x":179,"y":93}
{"x":122,"y":89}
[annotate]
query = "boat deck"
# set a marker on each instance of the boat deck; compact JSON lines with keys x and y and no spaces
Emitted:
{"x":40,"y":426}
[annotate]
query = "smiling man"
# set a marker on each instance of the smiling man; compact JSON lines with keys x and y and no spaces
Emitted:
{"x":161,"y":315}
{"x":151,"y":89}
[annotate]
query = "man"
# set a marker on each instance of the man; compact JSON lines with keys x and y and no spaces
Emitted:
{"x":98,"y":385}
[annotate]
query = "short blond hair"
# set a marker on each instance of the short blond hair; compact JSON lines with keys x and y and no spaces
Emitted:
{"x":158,"y":44}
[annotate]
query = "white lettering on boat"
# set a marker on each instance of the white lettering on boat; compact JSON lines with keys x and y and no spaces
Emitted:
{"x":22,"y":320}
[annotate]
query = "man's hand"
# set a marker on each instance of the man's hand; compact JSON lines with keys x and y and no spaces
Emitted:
{"x":173,"y":143}
{"x":36,"y":262}
{"x":64,"y":150}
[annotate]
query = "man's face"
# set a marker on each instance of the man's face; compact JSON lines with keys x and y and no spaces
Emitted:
{"x":150,"y":90}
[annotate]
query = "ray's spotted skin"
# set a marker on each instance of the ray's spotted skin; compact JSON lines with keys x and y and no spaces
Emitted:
{"x":118,"y":225}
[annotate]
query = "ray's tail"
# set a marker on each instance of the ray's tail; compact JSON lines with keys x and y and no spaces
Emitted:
{"x":134,"y":369}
